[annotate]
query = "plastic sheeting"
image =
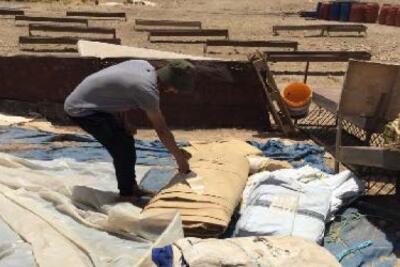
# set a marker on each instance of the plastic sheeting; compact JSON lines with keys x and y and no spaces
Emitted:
{"x":14,"y":252}
{"x":66,"y":211}
{"x":48,"y":146}
{"x":347,"y":235}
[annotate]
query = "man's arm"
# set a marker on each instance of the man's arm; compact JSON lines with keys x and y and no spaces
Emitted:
{"x":167,"y":138}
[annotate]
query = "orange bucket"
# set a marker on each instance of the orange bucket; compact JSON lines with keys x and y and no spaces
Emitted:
{"x":297,"y":97}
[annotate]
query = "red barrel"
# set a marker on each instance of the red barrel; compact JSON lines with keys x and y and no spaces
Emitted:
{"x":391,"y":16}
{"x":384,"y":12}
{"x":324,"y":10}
{"x":371,"y":12}
{"x":357,"y":13}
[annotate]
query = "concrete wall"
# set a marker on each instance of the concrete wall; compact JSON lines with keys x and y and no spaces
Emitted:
{"x":227,"y":94}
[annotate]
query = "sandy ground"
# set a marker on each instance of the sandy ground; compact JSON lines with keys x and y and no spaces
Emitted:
{"x":248,"y":20}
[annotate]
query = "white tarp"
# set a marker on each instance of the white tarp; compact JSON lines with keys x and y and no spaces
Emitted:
{"x":103,"y":50}
{"x":66,"y":211}
{"x":260,"y":251}
{"x":7,"y":120}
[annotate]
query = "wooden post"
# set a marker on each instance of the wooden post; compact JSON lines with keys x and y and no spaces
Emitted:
{"x":306,"y":72}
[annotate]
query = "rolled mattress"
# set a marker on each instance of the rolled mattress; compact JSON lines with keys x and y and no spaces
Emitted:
{"x":207,"y":197}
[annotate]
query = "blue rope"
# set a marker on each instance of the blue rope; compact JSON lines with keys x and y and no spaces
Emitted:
{"x":348,"y":251}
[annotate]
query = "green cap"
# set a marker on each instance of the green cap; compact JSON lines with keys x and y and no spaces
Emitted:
{"x":178,"y":73}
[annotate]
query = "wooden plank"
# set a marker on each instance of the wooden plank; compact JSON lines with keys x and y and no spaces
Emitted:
{"x":11,"y":12}
{"x":316,"y":56}
{"x":96,"y":14}
{"x":52,"y":19}
{"x":273,"y":97}
{"x":68,"y":28}
{"x":172,"y":23}
{"x":322,"y":27}
{"x":370,"y":156}
{"x":64,"y":40}
{"x":251,"y":43}
{"x":187,"y":32}
{"x":347,"y":28}
{"x":276,"y":28}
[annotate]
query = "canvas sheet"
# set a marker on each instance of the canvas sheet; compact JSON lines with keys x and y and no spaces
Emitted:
{"x":207,"y":198}
{"x":73,"y":217}
{"x":262,"y":251}
{"x":103,"y":50}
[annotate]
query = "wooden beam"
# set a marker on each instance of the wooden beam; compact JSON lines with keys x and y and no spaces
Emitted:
{"x":322,"y":27}
{"x":63,"y":28}
{"x":64,"y":40}
{"x":370,"y":156}
{"x":172,"y":23}
{"x":316,"y":56}
{"x":187,"y":32}
{"x":11,"y":12}
{"x":96,"y":14}
{"x":251,"y":43}
{"x":52,"y":19}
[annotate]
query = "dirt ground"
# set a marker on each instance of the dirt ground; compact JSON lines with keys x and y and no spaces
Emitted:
{"x":247,"y":20}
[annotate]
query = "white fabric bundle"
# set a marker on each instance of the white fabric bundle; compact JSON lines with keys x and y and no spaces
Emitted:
{"x":294,"y":202}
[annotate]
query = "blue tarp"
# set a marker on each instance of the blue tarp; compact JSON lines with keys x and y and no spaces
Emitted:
{"x":298,"y":154}
{"x":84,"y":148}
{"x":357,"y":242}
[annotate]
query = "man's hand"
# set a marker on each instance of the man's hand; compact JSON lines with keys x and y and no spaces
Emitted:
{"x":167,"y":138}
{"x":183,"y":164}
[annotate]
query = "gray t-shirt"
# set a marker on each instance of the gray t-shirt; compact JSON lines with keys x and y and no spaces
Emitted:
{"x":129,"y":85}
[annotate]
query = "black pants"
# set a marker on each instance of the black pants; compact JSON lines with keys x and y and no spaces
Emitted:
{"x":121,"y":146}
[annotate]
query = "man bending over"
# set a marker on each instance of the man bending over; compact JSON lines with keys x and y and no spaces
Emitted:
{"x":98,"y":102}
